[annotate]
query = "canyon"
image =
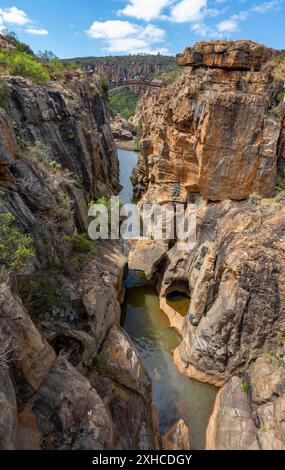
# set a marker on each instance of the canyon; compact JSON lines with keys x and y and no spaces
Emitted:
{"x":216,"y":138}
{"x":73,"y":375}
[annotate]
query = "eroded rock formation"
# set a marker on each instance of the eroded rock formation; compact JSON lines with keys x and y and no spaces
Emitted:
{"x":215,"y":131}
{"x":218,"y":132}
{"x":249,"y":410}
{"x":58,"y":311}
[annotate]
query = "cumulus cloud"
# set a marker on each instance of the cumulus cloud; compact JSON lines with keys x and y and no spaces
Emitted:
{"x":188,"y":10}
{"x":37,"y":31}
{"x":266,"y":6}
{"x":126,"y":37}
{"x":14,"y":15}
{"x":228,"y":26}
{"x":111,"y":29}
{"x":145,"y":9}
{"x":232,"y":24}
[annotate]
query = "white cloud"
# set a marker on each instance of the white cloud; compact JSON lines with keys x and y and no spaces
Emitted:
{"x":231,"y":25}
{"x":37,"y":31}
{"x":241,"y":16}
{"x":14,"y":15}
{"x":126,"y":37}
{"x":204,"y":30}
{"x":111,"y":29}
{"x":266,"y":6}
{"x":228,"y":26}
{"x":145,"y":9}
{"x":188,"y":10}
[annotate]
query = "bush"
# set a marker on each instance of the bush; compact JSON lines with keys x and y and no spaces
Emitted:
{"x":4,"y":93}
{"x":56,"y":68}
{"x":16,"y":248}
{"x":81,"y":247}
{"x":281,"y":185}
{"x":24,"y":65}
{"x":42,"y":296}
{"x":104,"y":86}
{"x":245,"y":387}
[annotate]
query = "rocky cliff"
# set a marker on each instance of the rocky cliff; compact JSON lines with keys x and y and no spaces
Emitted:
{"x":127,"y":67}
{"x":216,"y":137}
{"x":216,"y":130}
{"x":249,"y":410}
{"x":70,"y":378}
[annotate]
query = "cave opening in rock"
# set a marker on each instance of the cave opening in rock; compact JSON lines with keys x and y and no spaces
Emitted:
{"x":178,"y":296}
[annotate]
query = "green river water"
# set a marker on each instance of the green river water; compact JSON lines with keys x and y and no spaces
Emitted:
{"x":174,"y":394}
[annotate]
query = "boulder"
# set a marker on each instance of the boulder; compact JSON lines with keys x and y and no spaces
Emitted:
{"x":70,"y":413}
{"x":177,"y":438}
{"x":147,"y":256}
{"x":131,"y":412}
{"x":119,"y":360}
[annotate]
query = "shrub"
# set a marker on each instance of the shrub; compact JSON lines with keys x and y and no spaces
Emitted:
{"x":104,"y":85}
{"x":81,"y":248}
{"x":71,"y":66}
{"x":24,"y":65}
{"x":281,"y":185}
{"x":42,"y":295}
{"x":16,"y":248}
{"x":56,"y":68}
{"x":4,"y":93}
{"x":245,"y":387}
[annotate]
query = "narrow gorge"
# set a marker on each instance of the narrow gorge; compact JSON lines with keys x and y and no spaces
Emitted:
{"x":139,"y":345}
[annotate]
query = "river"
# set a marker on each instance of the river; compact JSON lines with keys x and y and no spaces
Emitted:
{"x":174,"y":394}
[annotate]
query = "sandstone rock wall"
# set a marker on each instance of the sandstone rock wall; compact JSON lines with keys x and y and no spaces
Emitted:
{"x":249,"y":410}
{"x":57,"y":154}
{"x":215,"y":131}
{"x":235,"y":282}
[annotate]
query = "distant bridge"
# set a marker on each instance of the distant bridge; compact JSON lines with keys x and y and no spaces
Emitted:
{"x":124,"y":83}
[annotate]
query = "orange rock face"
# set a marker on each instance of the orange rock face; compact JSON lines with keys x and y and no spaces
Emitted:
{"x":242,"y":55}
{"x":215,"y":130}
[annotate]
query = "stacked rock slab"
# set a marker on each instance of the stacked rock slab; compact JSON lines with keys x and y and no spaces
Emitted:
{"x":214,"y":131}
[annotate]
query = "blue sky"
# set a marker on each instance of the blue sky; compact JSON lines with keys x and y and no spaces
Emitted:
{"x":91,"y":27}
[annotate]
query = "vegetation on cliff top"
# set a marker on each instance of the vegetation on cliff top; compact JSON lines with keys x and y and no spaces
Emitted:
{"x":24,"y":65}
{"x":126,"y":61}
{"x":20,"y":60}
